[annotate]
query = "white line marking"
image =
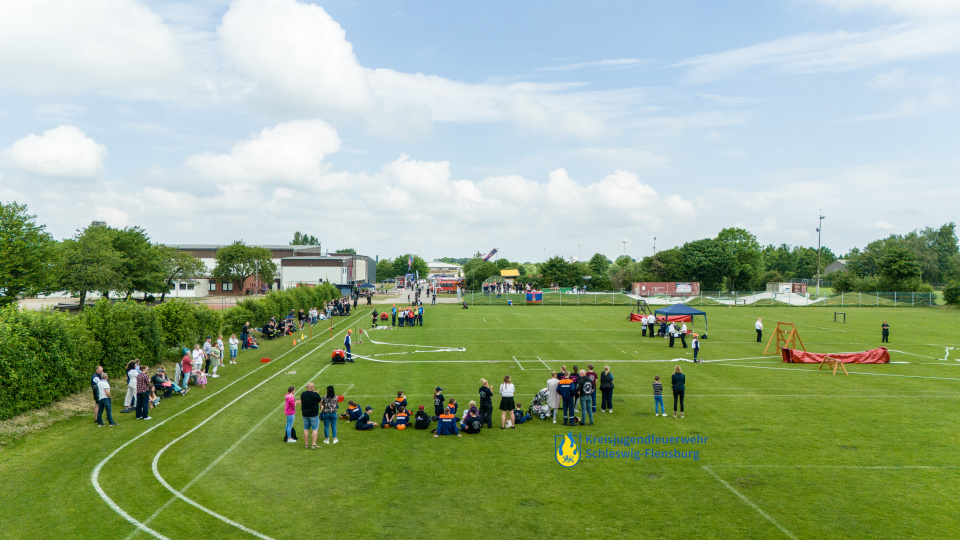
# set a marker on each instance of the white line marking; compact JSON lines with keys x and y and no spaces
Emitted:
{"x":544,"y":363}
{"x":748,"y":501}
{"x":95,"y":475}
{"x":518,"y":363}
{"x":484,"y":320}
{"x":893,"y":467}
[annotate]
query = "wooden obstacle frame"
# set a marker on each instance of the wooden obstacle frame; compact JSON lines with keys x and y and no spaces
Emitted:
{"x":835,"y":362}
{"x":642,"y":308}
{"x":783,"y":339}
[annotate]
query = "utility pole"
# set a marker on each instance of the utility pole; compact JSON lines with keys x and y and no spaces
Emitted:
{"x":654,"y":246}
{"x":625,"y":246}
{"x":819,"y":226}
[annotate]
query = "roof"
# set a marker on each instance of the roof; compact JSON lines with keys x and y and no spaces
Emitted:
{"x":511,"y":272}
{"x":438,"y":264}
{"x":678,"y":309}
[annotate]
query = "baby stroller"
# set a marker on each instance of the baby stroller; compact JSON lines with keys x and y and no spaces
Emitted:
{"x":538,"y":405}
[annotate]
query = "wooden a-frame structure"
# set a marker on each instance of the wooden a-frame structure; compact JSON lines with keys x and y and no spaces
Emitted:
{"x":784,"y":340}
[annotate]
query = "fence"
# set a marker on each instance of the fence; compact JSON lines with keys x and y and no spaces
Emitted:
{"x":716,"y":298}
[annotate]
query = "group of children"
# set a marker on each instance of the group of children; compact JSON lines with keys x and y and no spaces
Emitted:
{"x":397,"y":415}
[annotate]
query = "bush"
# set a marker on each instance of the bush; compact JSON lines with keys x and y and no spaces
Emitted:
{"x":184,"y":323}
{"x":842,"y":281}
{"x":124,"y":331}
{"x":951,"y":293}
{"x":43,"y":357}
{"x":277,"y":304}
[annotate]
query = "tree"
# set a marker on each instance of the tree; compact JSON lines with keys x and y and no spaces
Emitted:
{"x":599,"y":263}
{"x":706,"y":261}
{"x":301,"y":239}
{"x":476,"y":270}
{"x":90,"y":263}
{"x":385,"y":269}
{"x":419,"y":266}
{"x":951,"y":293}
{"x":348,"y":251}
{"x":899,"y":269}
{"x":26,"y":254}
{"x":141,"y":262}
{"x":842,"y":281}
{"x":746,"y":263}
{"x":239,"y":262}
{"x":179,"y":266}
{"x":780,"y":259}
{"x":664,"y":266}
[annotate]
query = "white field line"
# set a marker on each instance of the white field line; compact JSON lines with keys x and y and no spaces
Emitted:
{"x":184,"y":498}
{"x":749,"y":502}
{"x":741,"y":396}
{"x":544,"y":363}
{"x":95,"y":475}
{"x":850,"y":372}
{"x":220,"y":458}
{"x":518,"y":363}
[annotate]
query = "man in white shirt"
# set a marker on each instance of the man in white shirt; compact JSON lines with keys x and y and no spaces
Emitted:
{"x":683,"y":335}
{"x":103,"y":390}
{"x":759,"y":326}
{"x":651,"y":324}
{"x":672,"y":330}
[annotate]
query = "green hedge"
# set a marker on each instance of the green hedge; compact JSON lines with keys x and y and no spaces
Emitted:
{"x":43,"y":357}
{"x":278,"y":304}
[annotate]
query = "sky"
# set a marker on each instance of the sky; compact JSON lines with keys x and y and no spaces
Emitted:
{"x":448,"y":128}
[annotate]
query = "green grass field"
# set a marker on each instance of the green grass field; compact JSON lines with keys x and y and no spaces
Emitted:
{"x":791,"y":451}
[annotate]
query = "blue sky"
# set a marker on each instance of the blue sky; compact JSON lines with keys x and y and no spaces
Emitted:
{"x":449,"y":128}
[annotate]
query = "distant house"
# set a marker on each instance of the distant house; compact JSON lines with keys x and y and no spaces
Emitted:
{"x":510,"y":275}
{"x":442,"y":269}
{"x":839,"y":265}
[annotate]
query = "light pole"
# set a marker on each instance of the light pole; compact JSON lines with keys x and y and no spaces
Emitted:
{"x":819,"y":226}
{"x":625,"y":247}
{"x":654,"y":246}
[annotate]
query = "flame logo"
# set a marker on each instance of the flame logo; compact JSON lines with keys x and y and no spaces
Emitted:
{"x":568,"y":454}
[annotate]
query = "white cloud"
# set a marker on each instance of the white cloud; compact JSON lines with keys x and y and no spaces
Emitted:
{"x":64,"y":152}
{"x":66,"y":46}
{"x":835,"y":51}
{"x":299,"y":57}
{"x":916,"y":8}
{"x":611,"y":63}
{"x":291,"y":152}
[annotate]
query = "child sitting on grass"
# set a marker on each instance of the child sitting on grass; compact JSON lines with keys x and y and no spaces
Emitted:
{"x":471,"y":405}
{"x":389,"y":414}
{"x":519,"y":416}
{"x":353,"y":412}
{"x":452,"y":406}
{"x":364,"y":423}
{"x":447,"y":424}
{"x":422,"y":421}
{"x":402,"y":419}
{"x":471,"y":421}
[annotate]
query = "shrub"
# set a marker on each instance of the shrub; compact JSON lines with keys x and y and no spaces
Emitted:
{"x":951,"y":293}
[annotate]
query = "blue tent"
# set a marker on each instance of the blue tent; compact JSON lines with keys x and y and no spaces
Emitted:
{"x":683,"y":310}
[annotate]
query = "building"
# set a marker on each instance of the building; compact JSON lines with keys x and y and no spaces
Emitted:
{"x":665,"y":288}
{"x":442,"y":269}
{"x":510,"y":275}
{"x":296,"y":265}
{"x":839,"y":265}
{"x":799,"y":288}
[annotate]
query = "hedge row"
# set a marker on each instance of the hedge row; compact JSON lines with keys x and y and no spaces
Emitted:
{"x":45,"y":356}
{"x":278,"y":304}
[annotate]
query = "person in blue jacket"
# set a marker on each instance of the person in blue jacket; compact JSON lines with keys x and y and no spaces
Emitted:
{"x":472,"y":423}
{"x":447,"y":425}
{"x":346,"y":345}
{"x":389,"y":414}
{"x":364,"y":423}
{"x":353,"y":412}
{"x":519,"y":416}
{"x":566,"y":391}
{"x":420,"y":315}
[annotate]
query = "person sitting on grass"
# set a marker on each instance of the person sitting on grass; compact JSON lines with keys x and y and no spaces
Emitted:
{"x":389,"y":414}
{"x":452,"y":406}
{"x":252,"y":343}
{"x":364,"y":423}
{"x":466,"y":412}
{"x":447,"y":425}
{"x":422,"y":420}
{"x":519,"y":416}
{"x":164,"y":387}
{"x":472,"y":423}
{"x":353,"y":412}
{"x":402,"y":418}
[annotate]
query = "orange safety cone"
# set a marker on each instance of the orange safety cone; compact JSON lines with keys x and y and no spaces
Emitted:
{"x":294,"y":342}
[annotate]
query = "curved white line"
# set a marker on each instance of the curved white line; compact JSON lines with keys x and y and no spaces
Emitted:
{"x":184,"y":498}
{"x":95,"y":475}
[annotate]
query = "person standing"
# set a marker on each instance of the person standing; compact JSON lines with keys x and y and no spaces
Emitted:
{"x":553,"y":398}
{"x":672,"y":330}
{"x":592,"y":375}
{"x":290,"y":410}
{"x":222,"y":348}
{"x":606,"y":390}
{"x":143,"y":395}
{"x":696,"y":348}
{"x":658,"y":397}
{"x":186,"y":368}
{"x":585,"y":392}
{"x":759,"y":327}
{"x":234,"y":345}
{"x":434,"y":301}
{"x":678,"y":382}
{"x":130,"y":400}
{"x":885,"y":332}
{"x":566,"y":392}
{"x":683,"y":335}
{"x":329,"y":415}
{"x":486,"y":403}
{"x":506,"y":401}
{"x":94,"y":381}
{"x":420,"y":315}
{"x":651,"y":325}
{"x":207,"y":354}
{"x":393,"y":318}
{"x":346,"y":345}
{"x":643,"y":326}
{"x":310,"y":411}
{"x":103,"y":391}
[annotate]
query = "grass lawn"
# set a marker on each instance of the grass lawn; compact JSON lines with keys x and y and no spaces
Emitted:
{"x":790,"y":451}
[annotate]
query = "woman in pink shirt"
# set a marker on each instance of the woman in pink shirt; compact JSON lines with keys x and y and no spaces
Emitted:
{"x":290,"y":409}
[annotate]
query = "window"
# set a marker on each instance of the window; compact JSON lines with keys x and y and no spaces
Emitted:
{"x":225,"y":286}
{"x":213,"y":286}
